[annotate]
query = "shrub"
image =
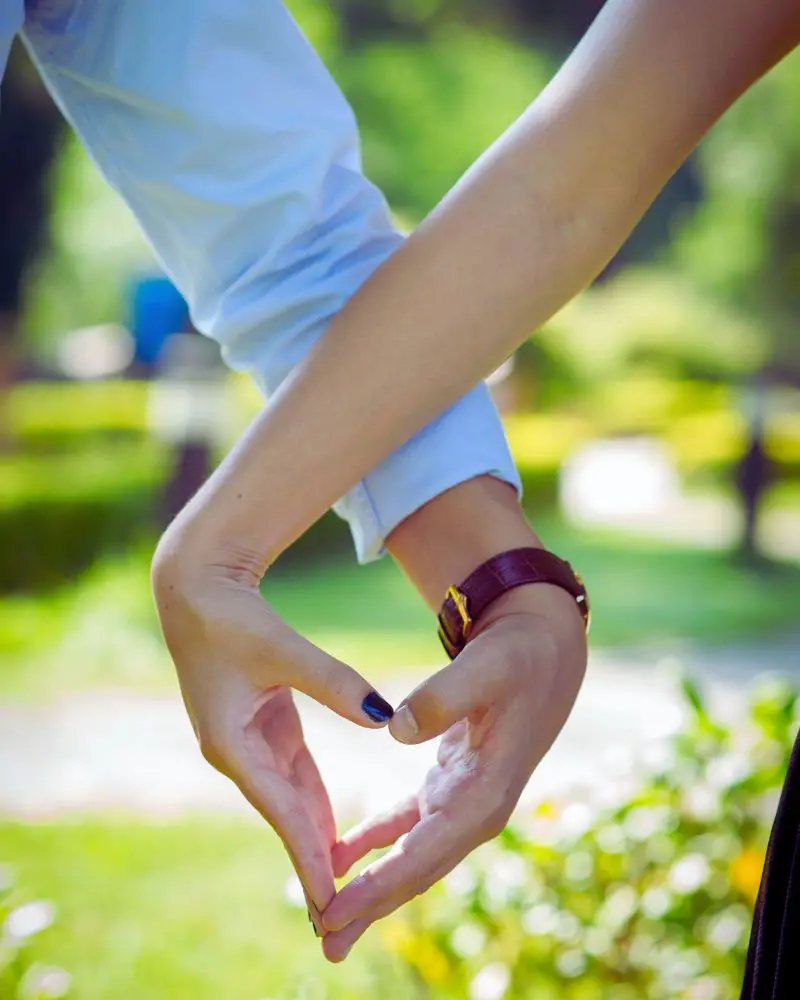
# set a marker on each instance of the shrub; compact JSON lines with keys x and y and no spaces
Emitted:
{"x":59,"y":512}
{"x":55,"y":415}
{"x":650,"y":895}
{"x":21,"y":922}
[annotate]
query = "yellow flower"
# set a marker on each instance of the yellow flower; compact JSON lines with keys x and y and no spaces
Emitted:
{"x":745,"y":872}
{"x":398,"y":936}
{"x":431,"y":964}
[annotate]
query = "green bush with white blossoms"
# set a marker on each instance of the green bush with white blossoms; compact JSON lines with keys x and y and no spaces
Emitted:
{"x":22,"y":976}
{"x":642,"y":888}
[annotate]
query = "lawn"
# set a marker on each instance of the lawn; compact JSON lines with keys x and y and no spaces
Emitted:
{"x":194,"y":910}
{"x":102,"y":630}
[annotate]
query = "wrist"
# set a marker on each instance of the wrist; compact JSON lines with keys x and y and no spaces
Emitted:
{"x":444,"y":541}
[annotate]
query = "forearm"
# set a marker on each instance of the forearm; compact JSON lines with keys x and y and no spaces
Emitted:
{"x":530,"y":225}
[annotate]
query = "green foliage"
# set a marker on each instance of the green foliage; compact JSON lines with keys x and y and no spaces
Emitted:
{"x":22,"y":920}
{"x":641,"y":888}
{"x":741,"y":243}
{"x":190,"y":908}
{"x":649,"y":321}
{"x":59,"y":512}
{"x":427,"y":110}
{"x":51,"y":415}
{"x":96,"y":246}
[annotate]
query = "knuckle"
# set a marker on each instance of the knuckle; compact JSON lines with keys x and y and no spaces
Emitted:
{"x":429,"y":710}
{"x":496,"y":817}
{"x":211,"y":750}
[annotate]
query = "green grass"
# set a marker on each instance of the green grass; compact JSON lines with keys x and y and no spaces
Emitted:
{"x":194,"y":910}
{"x":102,"y":631}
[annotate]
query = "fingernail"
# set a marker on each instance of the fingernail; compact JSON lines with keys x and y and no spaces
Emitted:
{"x":377,"y":708}
{"x":404,"y":725}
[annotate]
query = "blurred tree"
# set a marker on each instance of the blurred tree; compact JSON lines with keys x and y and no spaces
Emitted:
{"x":424,"y":111}
{"x":743,"y":242}
{"x":452,"y":74}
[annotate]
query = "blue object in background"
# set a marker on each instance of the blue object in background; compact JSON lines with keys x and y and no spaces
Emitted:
{"x":157,"y":312}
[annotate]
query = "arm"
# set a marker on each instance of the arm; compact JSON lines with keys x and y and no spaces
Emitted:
{"x":534,"y":221}
{"x":239,"y":157}
{"x":242,"y":166}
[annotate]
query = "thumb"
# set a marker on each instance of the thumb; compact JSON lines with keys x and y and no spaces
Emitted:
{"x":300,"y":664}
{"x":471,"y":681}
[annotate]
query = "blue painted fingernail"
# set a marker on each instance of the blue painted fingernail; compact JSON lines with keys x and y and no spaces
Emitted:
{"x":377,"y":708}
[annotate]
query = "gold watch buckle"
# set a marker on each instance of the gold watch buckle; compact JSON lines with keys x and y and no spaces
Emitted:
{"x":454,"y":645}
{"x":460,"y":601}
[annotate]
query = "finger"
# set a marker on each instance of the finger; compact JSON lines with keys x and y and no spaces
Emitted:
{"x":474,"y":679}
{"x":305,"y":842}
{"x":340,"y":943}
{"x":292,"y":660}
{"x":435,"y":844}
{"x":336,"y":947}
{"x":372,"y":834}
{"x":308,"y":778}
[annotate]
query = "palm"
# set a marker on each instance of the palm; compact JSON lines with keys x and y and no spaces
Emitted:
{"x":290,"y":786}
{"x":483,"y":763}
{"x":463,"y":763}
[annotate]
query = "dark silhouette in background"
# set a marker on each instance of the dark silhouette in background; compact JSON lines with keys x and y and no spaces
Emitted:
{"x":30,"y":132}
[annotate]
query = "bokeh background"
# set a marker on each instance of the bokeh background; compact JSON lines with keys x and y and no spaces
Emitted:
{"x":656,"y":423}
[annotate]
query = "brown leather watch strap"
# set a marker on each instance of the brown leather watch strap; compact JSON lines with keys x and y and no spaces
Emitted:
{"x":465,"y":604}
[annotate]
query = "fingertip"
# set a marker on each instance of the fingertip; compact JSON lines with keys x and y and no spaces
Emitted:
{"x":377,"y":709}
{"x":332,"y":922}
{"x":404,"y":727}
{"x":341,"y":862}
{"x":335,"y":953}
{"x":337,"y":947}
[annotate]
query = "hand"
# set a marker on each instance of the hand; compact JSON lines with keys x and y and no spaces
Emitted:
{"x":500,"y":705}
{"x":236,"y":661}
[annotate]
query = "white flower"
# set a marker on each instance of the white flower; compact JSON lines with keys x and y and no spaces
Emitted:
{"x":655,"y":902}
{"x":679,"y":968}
{"x":704,"y":989}
{"x":510,"y":869}
{"x":293,"y":893}
{"x":726,"y":770}
{"x":540,"y":919}
{"x":611,"y":839}
{"x":491,"y":982}
{"x":575,"y":819}
{"x":468,"y":940}
{"x":726,"y":932}
{"x":597,"y":942}
{"x":568,"y":928}
{"x":44,"y":983}
{"x":29,"y":919}
{"x":702,"y":802}
{"x":618,"y":907}
{"x":643,"y":822}
{"x":578,"y":866}
{"x":640,"y":951}
{"x":460,"y":881}
{"x":571,"y":963}
{"x":689,"y":873}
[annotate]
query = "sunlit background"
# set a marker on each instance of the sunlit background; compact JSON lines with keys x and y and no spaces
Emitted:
{"x":656,"y":423}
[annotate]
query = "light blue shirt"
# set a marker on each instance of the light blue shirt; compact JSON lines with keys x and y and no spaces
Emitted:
{"x":223,"y":131}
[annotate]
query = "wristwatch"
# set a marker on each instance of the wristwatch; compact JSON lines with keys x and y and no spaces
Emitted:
{"x":464,"y":604}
